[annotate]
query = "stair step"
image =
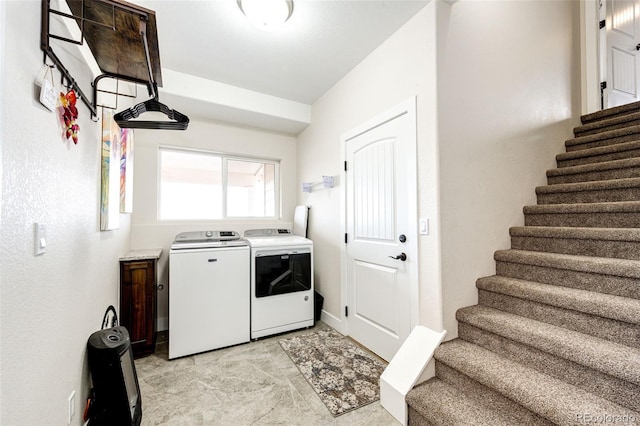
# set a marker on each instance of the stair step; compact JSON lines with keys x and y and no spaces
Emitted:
{"x":600,"y":154}
{"x":590,"y":192}
{"x":598,"y":383}
{"x":612,"y":190}
{"x":550,"y":398}
{"x":619,"y":277}
{"x":617,"y":308}
{"x":618,"y":122}
{"x":620,"y":361}
{"x":607,"y":138}
{"x":620,"y":332}
{"x":442,"y":404}
{"x":624,"y":214}
{"x":601,"y":242}
{"x":610,"y":113}
{"x":616,"y":169}
{"x":487,"y":396}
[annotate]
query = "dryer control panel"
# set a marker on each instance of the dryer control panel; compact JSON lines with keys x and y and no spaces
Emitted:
{"x":267,"y":232}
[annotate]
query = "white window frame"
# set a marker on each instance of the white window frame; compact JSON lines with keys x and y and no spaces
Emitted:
{"x":225,"y":157}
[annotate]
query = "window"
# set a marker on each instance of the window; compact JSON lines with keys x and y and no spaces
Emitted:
{"x":198,"y":185}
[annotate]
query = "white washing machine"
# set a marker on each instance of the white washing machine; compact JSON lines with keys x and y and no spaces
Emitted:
{"x":208,"y":292}
{"x":281,"y":281}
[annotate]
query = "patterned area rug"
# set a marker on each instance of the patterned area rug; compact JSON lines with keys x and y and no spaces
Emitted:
{"x":344,"y":376}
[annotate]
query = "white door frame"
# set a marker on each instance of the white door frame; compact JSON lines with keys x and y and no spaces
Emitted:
{"x":590,"y":56}
{"x":406,"y":107}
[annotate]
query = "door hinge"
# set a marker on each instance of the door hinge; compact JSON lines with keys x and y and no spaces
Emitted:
{"x":346,"y":311}
{"x":345,"y":166}
{"x":346,"y":238}
{"x":603,"y":85}
{"x":602,"y":24}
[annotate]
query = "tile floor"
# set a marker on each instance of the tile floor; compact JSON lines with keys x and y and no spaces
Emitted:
{"x":251,"y":384}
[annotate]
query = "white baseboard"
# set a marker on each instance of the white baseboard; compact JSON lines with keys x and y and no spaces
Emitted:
{"x":334,"y":322}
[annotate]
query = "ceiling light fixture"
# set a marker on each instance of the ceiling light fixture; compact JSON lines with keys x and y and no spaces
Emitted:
{"x":267,"y":15}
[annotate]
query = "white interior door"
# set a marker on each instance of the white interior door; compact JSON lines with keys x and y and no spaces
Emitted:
{"x":381,"y":249}
{"x":623,"y":59}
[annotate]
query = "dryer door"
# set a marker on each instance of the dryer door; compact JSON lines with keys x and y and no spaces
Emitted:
{"x":284,"y":272}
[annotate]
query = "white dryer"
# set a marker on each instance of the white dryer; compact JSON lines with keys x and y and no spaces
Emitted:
{"x":281,"y":281}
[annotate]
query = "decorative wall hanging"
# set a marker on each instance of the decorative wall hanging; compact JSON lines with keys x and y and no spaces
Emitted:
{"x":69,"y":114}
{"x":126,"y":170}
{"x":48,"y":96}
{"x":110,"y":173}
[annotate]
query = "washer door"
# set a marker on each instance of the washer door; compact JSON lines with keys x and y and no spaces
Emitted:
{"x":208,"y":299}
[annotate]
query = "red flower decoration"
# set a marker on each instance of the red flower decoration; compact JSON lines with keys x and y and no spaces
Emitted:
{"x":70,"y":114}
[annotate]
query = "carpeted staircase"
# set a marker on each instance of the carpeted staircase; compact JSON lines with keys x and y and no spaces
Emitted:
{"x":555,"y":337}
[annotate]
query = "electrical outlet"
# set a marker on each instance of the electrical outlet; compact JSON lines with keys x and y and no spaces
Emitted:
{"x":72,"y":407}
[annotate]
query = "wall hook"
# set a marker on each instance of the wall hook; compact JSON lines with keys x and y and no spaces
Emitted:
{"x":324,"y":181}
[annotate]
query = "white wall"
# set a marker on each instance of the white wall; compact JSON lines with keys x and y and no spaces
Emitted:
{"x":498,"y":92}
{"x":50,"y":304}
{"x":509,"y":96}
{"x":402,"y":67}
{"x":148,"y":232}
{"x":3,"y":36}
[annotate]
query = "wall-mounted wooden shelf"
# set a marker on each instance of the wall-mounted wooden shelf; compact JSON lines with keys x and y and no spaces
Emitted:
{"x":121,"y":36}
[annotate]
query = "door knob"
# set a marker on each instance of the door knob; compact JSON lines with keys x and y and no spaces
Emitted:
{"x":401,"y":256}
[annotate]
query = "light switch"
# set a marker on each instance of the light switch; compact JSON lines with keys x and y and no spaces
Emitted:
{"x":423,"y":226}
{"x":40,"y":239}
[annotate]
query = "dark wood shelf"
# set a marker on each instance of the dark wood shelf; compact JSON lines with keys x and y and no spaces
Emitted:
{"x":122,"y":37}
{"x":112,"y":29}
